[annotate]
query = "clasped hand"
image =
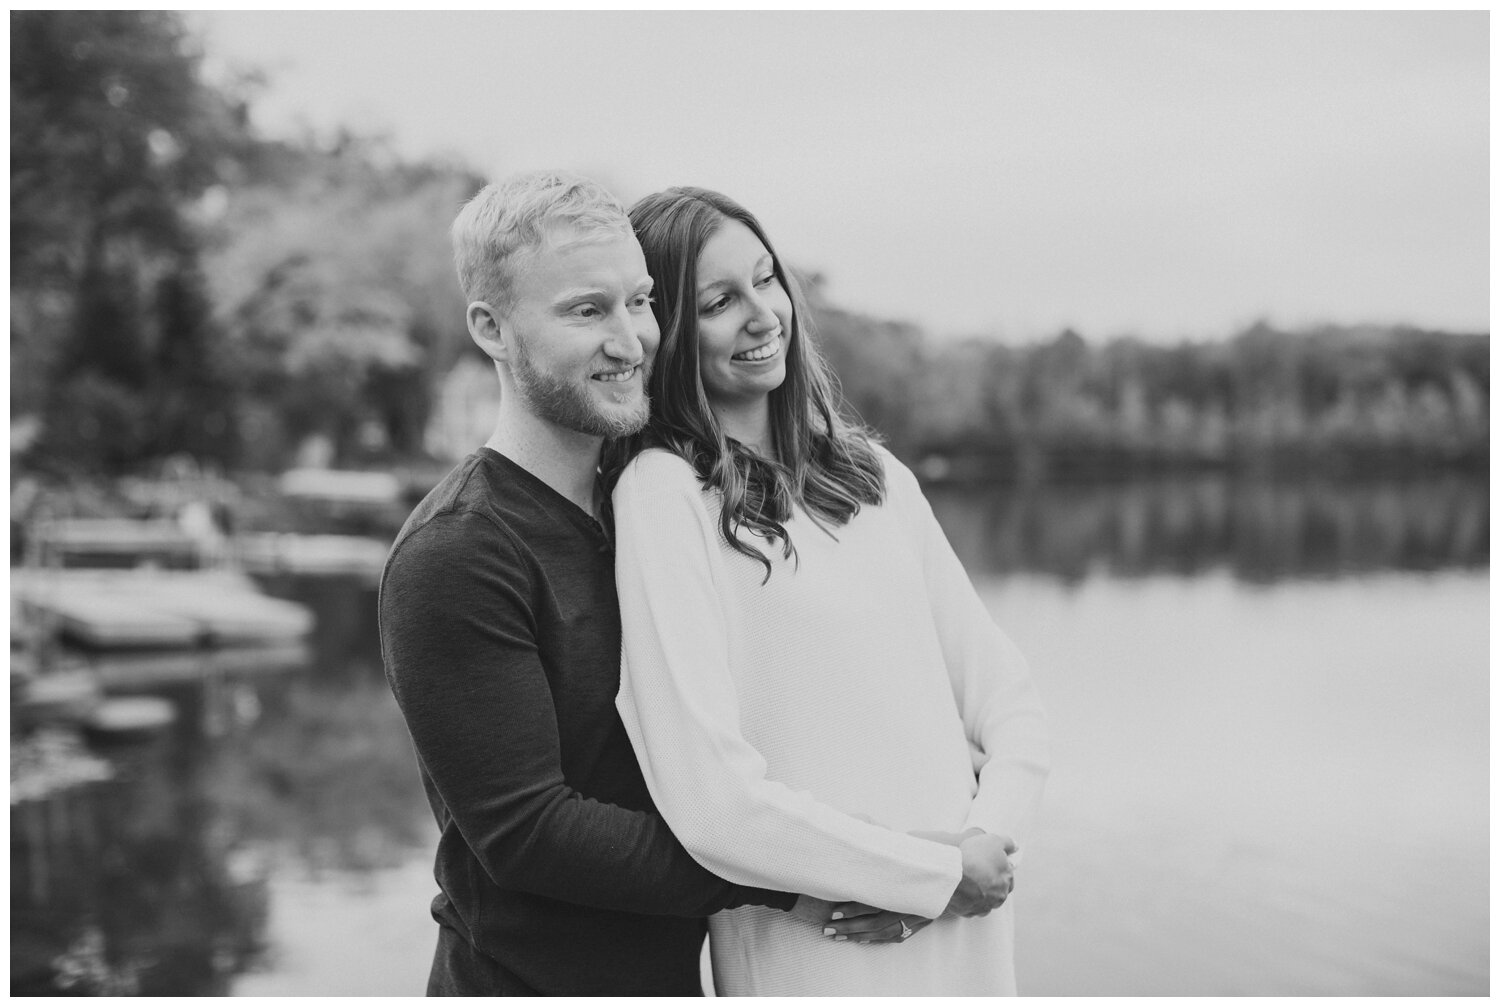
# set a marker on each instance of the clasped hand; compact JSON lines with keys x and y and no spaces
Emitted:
{"x":989,"y":877}
{"x":988,"y":880}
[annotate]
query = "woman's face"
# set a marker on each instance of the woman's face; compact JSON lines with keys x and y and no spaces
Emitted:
{"x":744,"y":318}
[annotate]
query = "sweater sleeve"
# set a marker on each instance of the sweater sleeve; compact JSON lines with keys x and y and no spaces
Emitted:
{"x":1001,"y":711}
{"x":461,"y":656}
{"x":680,"y":707}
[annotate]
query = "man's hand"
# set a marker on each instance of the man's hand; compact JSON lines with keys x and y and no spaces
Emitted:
{"x":812,"y":910}
{"x":988,"y":876}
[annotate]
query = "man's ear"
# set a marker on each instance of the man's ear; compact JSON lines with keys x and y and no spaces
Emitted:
{"x":488,"y":330}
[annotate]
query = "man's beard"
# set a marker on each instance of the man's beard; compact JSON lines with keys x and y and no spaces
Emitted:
{"x":568,"y":404}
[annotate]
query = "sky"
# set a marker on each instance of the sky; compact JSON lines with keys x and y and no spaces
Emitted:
{"x":1169,"y":175}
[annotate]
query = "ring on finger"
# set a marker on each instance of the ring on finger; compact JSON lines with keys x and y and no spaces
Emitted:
{"x":906,"y":931}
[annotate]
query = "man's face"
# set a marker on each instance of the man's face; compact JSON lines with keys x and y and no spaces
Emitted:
{"x":584,"y":333}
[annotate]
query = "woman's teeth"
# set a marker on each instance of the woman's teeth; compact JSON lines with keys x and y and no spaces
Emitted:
{"x":761,"y":352}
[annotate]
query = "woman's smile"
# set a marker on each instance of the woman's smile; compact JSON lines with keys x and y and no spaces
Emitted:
{"x":762,"y":353}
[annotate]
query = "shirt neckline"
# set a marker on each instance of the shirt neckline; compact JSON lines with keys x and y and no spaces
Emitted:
{"x":560,"y":503}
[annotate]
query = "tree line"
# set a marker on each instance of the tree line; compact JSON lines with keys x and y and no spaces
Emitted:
{"x":180,"y":284}
{"x":1331,"y":399}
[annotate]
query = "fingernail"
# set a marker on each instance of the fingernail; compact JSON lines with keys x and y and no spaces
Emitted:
{"x":841,"y":937}
{"x":829,"y":931}
{"x":837,"y":916}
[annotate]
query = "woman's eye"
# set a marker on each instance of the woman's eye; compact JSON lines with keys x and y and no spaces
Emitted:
{"x":766,"y":281}
{"x":714,"y":306}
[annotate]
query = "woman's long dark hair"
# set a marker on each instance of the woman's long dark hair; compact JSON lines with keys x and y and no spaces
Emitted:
{"x":822,"y":461}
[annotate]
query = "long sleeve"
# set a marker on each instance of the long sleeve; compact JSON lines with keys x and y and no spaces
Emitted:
{"x":679,"y":704}
{"x":461,"y":654}
{"x":1002,"y":714}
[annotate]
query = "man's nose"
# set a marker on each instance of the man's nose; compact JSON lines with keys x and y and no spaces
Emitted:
{"x":626,"y":337}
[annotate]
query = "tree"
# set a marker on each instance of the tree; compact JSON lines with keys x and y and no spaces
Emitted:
{"x":875,"y":360}
{"x":113,"y":135}
{"x":332,"y":274}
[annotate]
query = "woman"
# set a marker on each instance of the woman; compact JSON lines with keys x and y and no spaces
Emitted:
{"x":808,"y":675}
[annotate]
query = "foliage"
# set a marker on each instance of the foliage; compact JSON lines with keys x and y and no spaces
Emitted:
{"x":874,"y":360}
{"x":110,"y":130}
{"x":113,"y":137}
{"x":180,"y":285}
{"x":1333,"y":399}
{"x":332,"y":276}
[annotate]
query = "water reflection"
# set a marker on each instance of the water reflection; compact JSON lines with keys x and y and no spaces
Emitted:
{"x":155,"y":882}
{"x":1263,"y":531}
{"x":126,"y":886}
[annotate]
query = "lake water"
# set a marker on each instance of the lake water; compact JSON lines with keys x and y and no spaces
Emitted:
{"x":1270,"y":713}
{"x":1259,"y":790}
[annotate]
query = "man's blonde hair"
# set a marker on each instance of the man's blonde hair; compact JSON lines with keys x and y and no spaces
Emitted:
{"x":511,"y":217}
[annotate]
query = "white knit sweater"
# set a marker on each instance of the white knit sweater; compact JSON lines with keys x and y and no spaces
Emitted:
{"x":865,"y":678}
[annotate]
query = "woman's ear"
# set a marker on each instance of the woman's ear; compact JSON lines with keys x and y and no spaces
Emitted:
{"x":487,"y":330}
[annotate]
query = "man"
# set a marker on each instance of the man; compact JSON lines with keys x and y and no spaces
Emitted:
{"x":501,"y":638}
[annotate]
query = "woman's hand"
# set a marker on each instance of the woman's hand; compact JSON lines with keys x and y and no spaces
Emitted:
{"x":988,"y":877}
{"x":855,"y":921}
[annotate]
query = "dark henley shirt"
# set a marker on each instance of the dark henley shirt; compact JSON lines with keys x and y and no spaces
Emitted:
{"x":500,"y":631}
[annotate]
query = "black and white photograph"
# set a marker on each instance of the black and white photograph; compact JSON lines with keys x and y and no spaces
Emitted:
{"x":750,"y":503}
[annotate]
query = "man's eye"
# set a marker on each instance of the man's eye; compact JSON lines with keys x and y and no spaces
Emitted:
{"x":642,"y":301}
{"x":586,"y":311}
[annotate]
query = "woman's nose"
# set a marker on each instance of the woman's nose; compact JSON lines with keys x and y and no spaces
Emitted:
{"x":763,"y":318}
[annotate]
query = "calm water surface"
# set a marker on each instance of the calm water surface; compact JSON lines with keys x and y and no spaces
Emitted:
{"x":1274,"y":790}
{"x":1270,"y":771}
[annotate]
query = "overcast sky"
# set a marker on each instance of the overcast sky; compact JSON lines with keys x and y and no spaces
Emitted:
{"x":1168,"y":174}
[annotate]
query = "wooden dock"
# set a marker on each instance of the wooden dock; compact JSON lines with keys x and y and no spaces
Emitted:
{"x":342,"y":486}
{"x":129,"y":609}
{"x":313,"y":555}
{"x":72,"y":689}
{"x":127,"y":671}
{"x":113,"y":542}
